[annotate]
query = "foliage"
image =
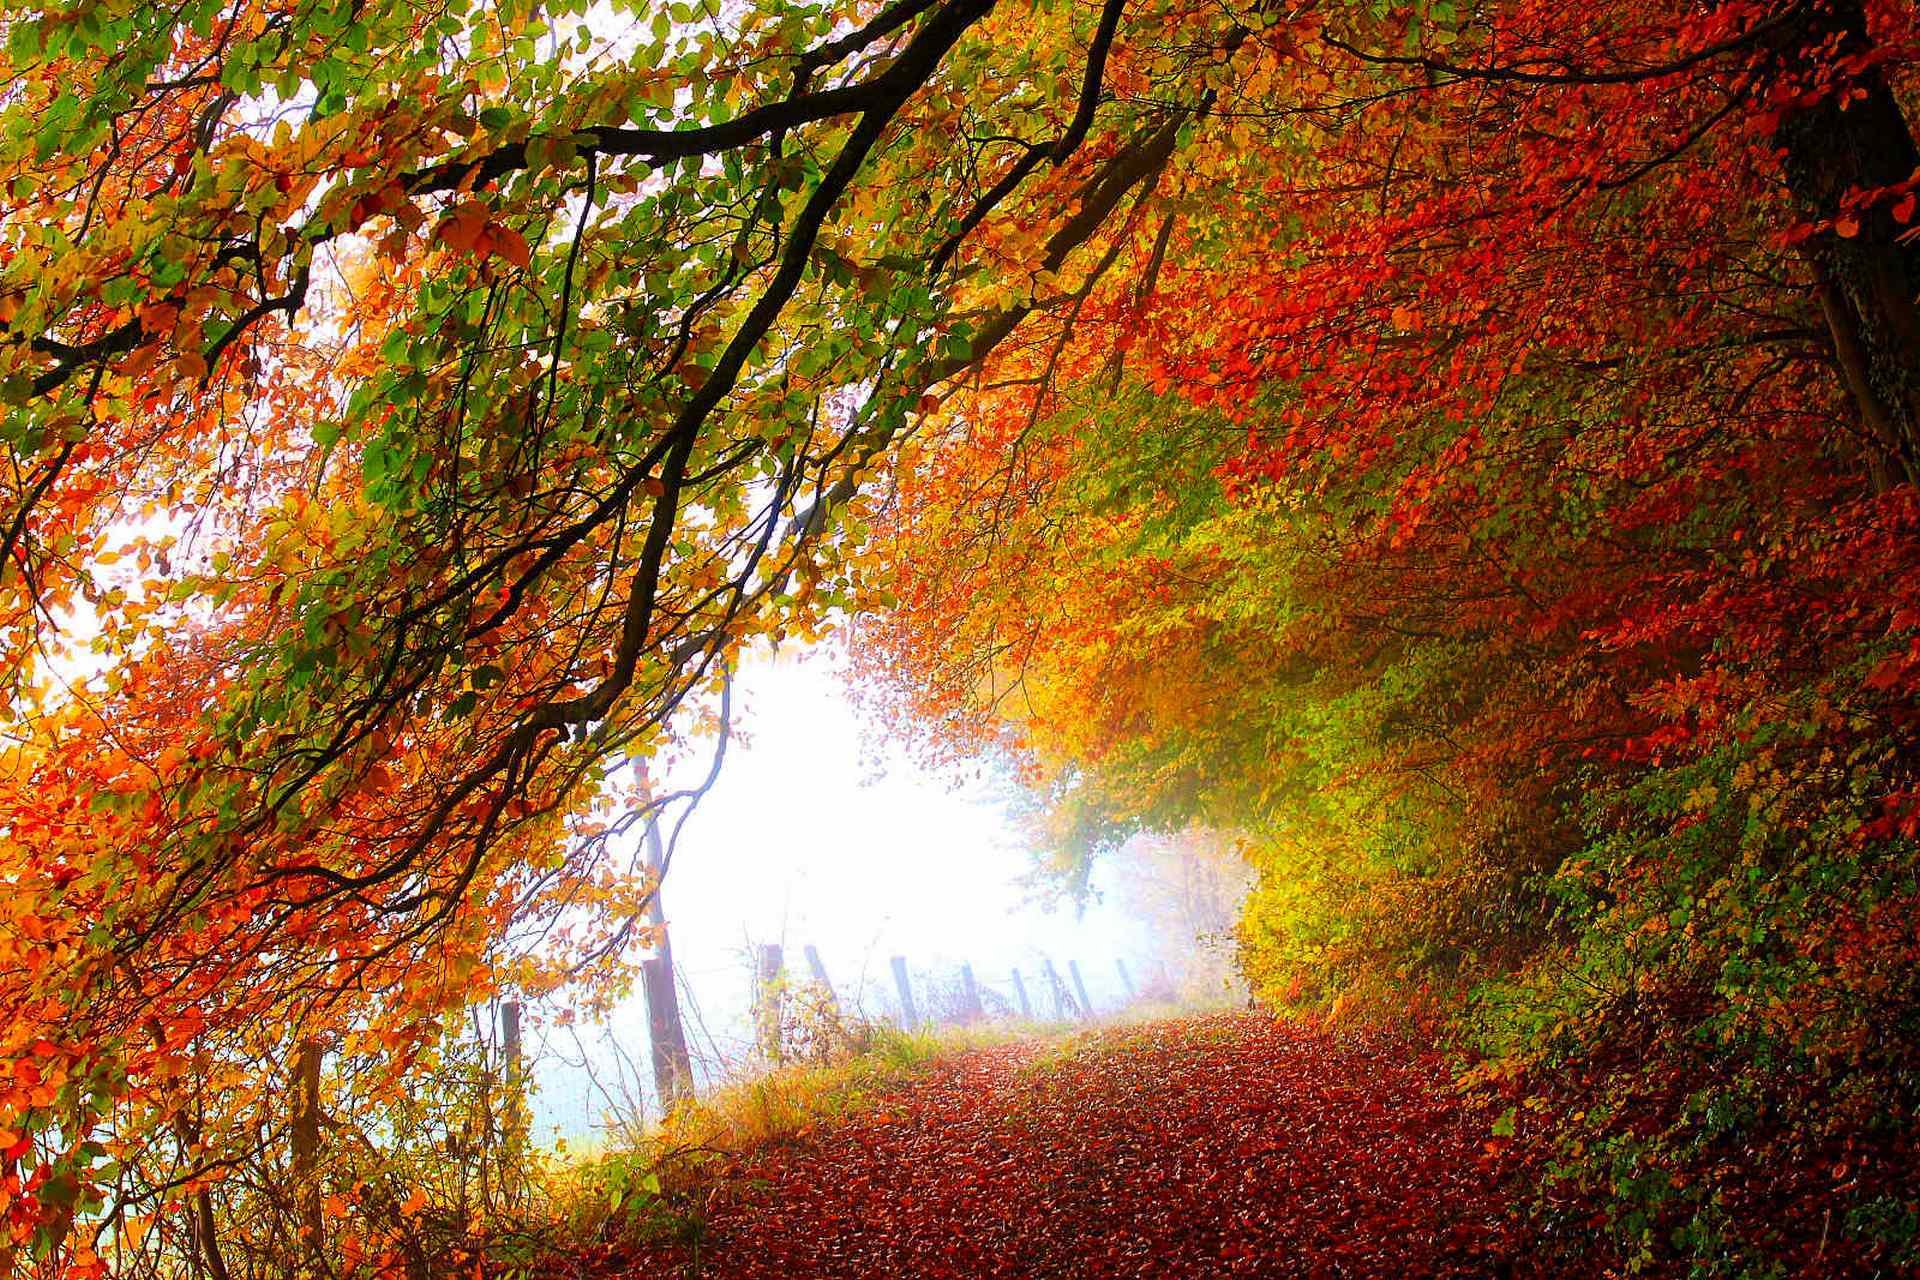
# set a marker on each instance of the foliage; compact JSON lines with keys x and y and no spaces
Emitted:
{"x":1470,"y":451}
{"x":1486,"y":482}
{"x":408,"y":409}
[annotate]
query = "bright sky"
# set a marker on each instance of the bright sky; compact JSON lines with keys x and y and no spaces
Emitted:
{"x":815,"y":833}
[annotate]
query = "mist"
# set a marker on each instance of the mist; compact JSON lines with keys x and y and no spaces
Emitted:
{"x":820,"y":832}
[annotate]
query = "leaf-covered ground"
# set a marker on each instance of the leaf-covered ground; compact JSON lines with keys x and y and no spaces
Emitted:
{"x":1220,"y":1146}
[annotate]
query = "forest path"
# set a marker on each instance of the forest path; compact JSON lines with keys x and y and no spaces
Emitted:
{"x":1228,"y":1145}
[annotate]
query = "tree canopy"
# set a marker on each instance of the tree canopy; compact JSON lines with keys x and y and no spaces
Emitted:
{"x":1467,"y":451}
{"x":1493,"y":498}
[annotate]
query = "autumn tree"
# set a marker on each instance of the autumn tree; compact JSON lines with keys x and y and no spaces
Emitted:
{"x":409,"y":408}
{"x":1480,"y":477}
{"x":1468,"y":450}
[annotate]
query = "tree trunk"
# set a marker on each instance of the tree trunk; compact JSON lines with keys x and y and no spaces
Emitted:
{"x":1866,"y":279}
{"x":306,"y":1143}
{"x":672,"y":1064}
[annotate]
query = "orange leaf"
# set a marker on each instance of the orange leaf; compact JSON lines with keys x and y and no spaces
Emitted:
{"x":463,"y":227}
{"x":159,"y":317}
{"x":512,"y":246}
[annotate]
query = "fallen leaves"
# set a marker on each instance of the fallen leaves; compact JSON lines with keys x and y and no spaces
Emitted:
{"x":1219,"y":1146}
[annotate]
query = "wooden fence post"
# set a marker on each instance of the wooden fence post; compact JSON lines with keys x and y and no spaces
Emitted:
{"x":513,"y":1111}
{"x":1126,"y":979}
{"x":1080,"y":989}
{"x":771,"y":999}
{"x":510,"y":1041}
{"x":819,"y":972}
{"x":306,"y":1141}
{"x":1020,"y":993}
{"x":909,"y":1014}
{"x":1062,"y":1002}
{"x":971,"y":1010}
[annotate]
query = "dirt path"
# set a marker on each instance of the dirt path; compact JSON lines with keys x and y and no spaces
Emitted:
{"x":1223,"y":1146}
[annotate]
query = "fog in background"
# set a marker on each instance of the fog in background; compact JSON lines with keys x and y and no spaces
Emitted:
{"x":817,"y":832}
